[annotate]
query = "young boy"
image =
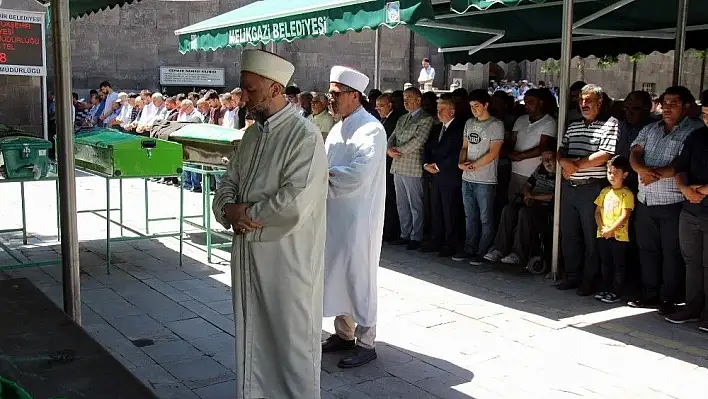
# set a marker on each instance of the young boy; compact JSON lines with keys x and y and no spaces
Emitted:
{"x":614,"y":206}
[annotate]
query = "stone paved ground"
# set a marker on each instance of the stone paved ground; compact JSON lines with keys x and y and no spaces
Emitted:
{"x":446,"y":330}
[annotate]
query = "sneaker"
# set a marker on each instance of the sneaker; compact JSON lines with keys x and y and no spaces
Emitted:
{"x":511,"y":259}
{"x":478,"y":261}
{"x":682,"y":316}
{"x":600,"y":295}
{"x":610,"y":298}
{"x":703,"y":326}
{"x":494,"y":256}
{"x":461,"y":256}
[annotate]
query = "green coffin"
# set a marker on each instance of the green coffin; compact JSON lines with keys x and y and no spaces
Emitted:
{"x":111,"y":153}
{"x":207,"y":144}
{"x":276,"y":20}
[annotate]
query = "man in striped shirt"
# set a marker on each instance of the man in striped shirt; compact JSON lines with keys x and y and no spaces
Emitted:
{"x":586,"y":147}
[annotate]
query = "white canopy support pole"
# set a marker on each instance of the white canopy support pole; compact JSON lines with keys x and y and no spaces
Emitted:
{"x":621,"y":33}
{"x":564,"y":85}
{"x":681,"y":21}
{"x":377,"y":59}
{"x":486,"y":44}
{"x":496,"y":33}
{"x":65,"y":158}
{"x":601,"y":13}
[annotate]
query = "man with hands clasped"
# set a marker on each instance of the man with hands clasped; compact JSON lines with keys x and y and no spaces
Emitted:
{"x":441,"y":157}
{"x":273,"y":195}
{"x":479,"y":155}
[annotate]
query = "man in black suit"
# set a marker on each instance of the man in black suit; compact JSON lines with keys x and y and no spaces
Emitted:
{"x":442,"y":153}
{"x":389,"y":118}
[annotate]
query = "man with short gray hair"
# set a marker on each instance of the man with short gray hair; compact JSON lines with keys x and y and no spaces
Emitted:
{"x":320,"y":115}
{"x":585,"y":149}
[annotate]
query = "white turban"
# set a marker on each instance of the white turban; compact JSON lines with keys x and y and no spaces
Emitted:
{"x":349,"y":77}
{"x":268,"y":65}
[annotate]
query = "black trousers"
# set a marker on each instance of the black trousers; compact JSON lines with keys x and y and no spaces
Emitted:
{"x":446,"y":216}
{"x":579,"y":232}
{"x":392,"y":227}
{"x":613,"y":264}
{"x":693,"y":233}
{"x":519,"y":229}
{"x":662,"y":265}
{"x":427,"y":207}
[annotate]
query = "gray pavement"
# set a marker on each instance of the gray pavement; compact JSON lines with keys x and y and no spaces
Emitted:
{"x":446,"y":330}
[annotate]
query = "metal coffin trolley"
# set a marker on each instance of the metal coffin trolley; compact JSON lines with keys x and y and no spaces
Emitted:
{"x":114,"y":155}
{"x":23,"y":159}
{"x":207,"y":151}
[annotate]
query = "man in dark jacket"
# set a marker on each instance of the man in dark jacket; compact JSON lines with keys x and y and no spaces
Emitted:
{"x":442,"y":152}
{"x":389,"y":118}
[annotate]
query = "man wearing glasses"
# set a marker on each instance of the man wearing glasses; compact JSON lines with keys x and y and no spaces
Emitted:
{"x":356,"y":153}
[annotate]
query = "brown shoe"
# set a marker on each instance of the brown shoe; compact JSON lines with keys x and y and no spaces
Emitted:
{"x":336,"y":344}
{"x":682,"y":316}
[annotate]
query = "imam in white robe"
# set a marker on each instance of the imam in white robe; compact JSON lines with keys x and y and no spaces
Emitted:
{"x":277,"y":270}
{"x":356,"y":154}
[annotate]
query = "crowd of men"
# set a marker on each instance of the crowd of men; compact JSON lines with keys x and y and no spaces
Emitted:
{"x":465,"y":175}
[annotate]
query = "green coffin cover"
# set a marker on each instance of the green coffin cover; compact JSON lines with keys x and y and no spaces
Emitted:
{"x":207,"y":133}
{"x":112,"y":153}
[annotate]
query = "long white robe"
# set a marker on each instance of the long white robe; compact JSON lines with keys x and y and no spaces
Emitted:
{"x":277,"y":270}
{"x":356,"y":153}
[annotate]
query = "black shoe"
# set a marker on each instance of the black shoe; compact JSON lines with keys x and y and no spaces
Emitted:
{"x":566,"y":285}
{"x":413,"y":245}
{"x":446,"y":253}
{"x":462,"y":256}
{"x":684,"y":315}
{"x":645,"y":303}
{"x":429,"y":249}
{"x":197,"y":190}
{"x":585,"y":290}
{"x":667,"y":308}
{"x":336,"y":344}
{"x":703,"y":326}
{"x":360,"y":357}
{"x":400,"y":241}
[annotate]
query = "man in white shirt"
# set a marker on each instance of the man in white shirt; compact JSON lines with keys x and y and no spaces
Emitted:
{"x":230,"y":119}
{"x":157,"y":110}
{"x":188,"y":113}
{"x":532,"y":134}
{"x":427,"y":74}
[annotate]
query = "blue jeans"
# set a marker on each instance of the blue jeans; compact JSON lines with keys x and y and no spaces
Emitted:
{"x":192,"y":180}
{"x":478,"y":200}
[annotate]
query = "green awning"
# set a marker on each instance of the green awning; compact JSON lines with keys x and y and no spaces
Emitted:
{"x":531,"y":29}
{"x":277,"y":20}
{"x":461,"y":6}
{"x":80,"y":8}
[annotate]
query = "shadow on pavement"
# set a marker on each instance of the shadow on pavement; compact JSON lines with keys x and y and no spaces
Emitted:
{"x":502,"y":286}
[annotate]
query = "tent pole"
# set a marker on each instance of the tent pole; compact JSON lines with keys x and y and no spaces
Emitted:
{"x":564,"y":87}
{"x":680,"y":41}
{"x":65,"y":158}
{"x":377,"y":59}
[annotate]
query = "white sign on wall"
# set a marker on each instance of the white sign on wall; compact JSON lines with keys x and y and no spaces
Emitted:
{"x":197,"y":77}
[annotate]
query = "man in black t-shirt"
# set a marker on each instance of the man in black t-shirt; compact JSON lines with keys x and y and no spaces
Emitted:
{"x":692,"y":179}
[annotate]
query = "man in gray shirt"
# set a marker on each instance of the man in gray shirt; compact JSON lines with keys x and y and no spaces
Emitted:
{"x":483,"y":139}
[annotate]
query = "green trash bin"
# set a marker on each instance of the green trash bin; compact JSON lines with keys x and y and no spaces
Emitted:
{"x":10,"y":390}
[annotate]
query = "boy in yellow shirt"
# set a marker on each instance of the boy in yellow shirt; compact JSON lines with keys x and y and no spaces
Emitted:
{"x":614,"y":207}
